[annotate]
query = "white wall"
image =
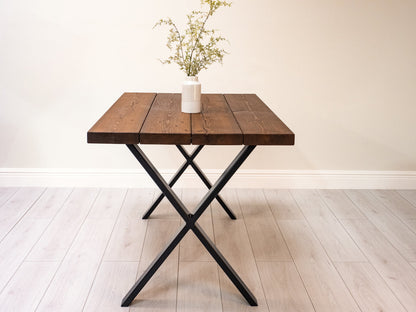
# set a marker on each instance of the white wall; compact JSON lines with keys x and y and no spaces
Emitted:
{"x":341,"y":74}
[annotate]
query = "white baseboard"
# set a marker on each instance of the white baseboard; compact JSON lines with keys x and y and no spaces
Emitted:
{"x":287,"y":179}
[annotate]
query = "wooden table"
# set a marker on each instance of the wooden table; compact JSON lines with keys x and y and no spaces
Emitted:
{"x":230,"y":119}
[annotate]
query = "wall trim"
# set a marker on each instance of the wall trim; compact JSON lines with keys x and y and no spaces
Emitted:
{"x":287,"y":179}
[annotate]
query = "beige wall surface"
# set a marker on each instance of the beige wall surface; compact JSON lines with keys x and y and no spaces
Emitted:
{"x":340,"y":73}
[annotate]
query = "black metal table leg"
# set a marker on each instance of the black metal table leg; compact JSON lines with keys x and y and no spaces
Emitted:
{"x":225,"y":266}
{"x":174,"y":179}
{"x":206,"y":182}
{"x":190,"y":223}
{"x":189,"y":161}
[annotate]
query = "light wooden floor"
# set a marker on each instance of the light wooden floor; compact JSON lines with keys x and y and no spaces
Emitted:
{"x":299,"y":250}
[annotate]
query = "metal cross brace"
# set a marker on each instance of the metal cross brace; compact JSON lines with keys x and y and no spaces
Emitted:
{"x":190,"y":224}
{"x":189,"y":161}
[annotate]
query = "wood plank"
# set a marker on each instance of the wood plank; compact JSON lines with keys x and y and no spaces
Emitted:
{"x":136,"y":202}
{"x":412,"y":224}
{"x":112,"y":282}
{"x":17,"y":244}
{"x":165,"y":123}
{"x":159,"y":294}
{"x":410,"y":195}
{"x":127,"y":239}
{"x":395,"y":270}
{"x":233,"y":242}
{"x":25,"y":290}
{"x":282,"y":205}
{"x":20,"y":240}
{"x":191,"y":249}
{"x":107,"y":204}
{"x":198,"y":287}
{"x":6,"y":193}
{"x":266,"y":240}
{"x":368,"y":288}
{"x":57,"y":238}
{"x":121,"y":124}
{"x":14,"y":209}
{"x":323,"y":283}
{"x":216,"y":123}
{"x":398,"y":205}
{"x":283,"y":287}
{"x":260,"y":126}
{"x":71,"y":284}
{"x":48,"y":205}
{"x":333,"y":237}
{"x":230,"y":198}
{"x":403,"y":239}
{"x":340,"y":204}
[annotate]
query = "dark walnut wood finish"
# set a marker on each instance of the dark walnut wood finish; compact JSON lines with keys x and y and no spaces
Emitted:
{"x":123,"y":121}
{"x":150,"y":118}
{"x":165,"y":123}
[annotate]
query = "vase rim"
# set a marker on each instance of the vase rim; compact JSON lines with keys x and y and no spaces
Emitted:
{"x":191,"y":78}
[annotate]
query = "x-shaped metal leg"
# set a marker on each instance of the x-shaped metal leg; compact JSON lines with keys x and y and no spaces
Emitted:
{"x":190,"y":224}
{"x":189,"y":162}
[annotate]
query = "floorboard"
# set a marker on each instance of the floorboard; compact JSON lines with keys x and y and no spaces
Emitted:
{"x":386,"y":222}
{"x":81,"y":249}
{"x":323,"y":283}
{"x":333,"y":237}
{"x":56,"y":240}
{"x":265,"y":237}
{"x":198,"y":287}
{"x":368,"y":288}
{"x":6,"y":193}
{"x":15,"y":208}
{"x":283,"y":287}
{"x":395,"y":270}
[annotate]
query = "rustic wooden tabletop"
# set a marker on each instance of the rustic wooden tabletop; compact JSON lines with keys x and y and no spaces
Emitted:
{"x":226,"y":119}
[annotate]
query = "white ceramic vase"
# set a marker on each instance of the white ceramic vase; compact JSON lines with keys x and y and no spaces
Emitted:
{"x":191,"y":95}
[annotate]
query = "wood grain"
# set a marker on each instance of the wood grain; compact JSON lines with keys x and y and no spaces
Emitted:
{"x":65,"y":225}
{"x":230,"y":198}
{"x":396,"y":203}
{"x":216,"y":124}
{"x":395,"y":270}
{"x":260,"y":126}
{"x":340,"y":204}
{"x":127,"y":238}
{"x":198,"y":287}
{"x":6,"y":193}
{"x":368,"y":288}
{"x":282,"y":205}
{"x":333,"y":237}
{"x":17,"y":244}
{"x":266,"y":240}
{"x":325,"y":287}
{"x":112,"y":282}
{"x":108,"y":203}
{"x":48,"y":205}
{"x":70,"y":286}
{"x":283,"y":287}
{"x":122,"y":122}
{"x":410,"y":195}
{"x":151,"y":118}
{"x":16,"y":207}
{"x":165,"y":123}
{"x":233,"y":242}
{"x":159,"y":294}
{"x":386,"y":222}
{"x":17,"y":296}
